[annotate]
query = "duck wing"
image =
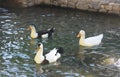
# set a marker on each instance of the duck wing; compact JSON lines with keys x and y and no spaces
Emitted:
{"x":95,"y":40}
{"x":43,"y":33}
{"x":52,"y":56}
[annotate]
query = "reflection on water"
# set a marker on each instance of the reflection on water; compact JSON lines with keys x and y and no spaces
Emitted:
{"x":17,"y":49}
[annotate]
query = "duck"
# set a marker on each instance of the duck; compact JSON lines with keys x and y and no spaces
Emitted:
{"x":117,"y":63}
{"x":90,"y":41}
{"x":40,"y":34}
{"x":50,"y":57}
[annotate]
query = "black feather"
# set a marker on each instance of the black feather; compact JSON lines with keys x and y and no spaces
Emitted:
{"x":49,"y":32}
{"x":33,"y":25}
{"x":52,"y":29}
{"x":45,"y":61}
{"x":39,"y":44}
{"x":60,"y":50}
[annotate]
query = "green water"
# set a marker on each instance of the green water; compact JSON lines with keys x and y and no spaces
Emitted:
{"x":17,"y":49}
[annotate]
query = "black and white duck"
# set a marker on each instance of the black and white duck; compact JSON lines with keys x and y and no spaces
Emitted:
{"x":41,"y":34}
{"x":50,"y":57}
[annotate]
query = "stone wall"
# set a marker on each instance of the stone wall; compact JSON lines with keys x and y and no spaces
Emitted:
{"x":107,"y":6}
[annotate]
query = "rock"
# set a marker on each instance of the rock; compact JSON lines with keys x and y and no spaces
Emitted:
{"x":63,"y":3}
{"x":39,"y":1}
{"x":55,"y":2}
{"x":95,"y":5}
{"x":82,"y":5}
{"x":116,"y":7}
{"x":108,"y":7}
{"x":72,"y":4}
{"x":47,"y":1}
{"x":102,"y":10}
{"x":102,"y":6}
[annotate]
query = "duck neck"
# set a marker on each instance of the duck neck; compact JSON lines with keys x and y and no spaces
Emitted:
{"x":82,"y":39}
{"x":40,"y":51}
{"x":39,"y":56}
{"x":34,"y":34}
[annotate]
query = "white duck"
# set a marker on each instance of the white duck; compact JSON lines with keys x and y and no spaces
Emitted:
{"x":117,"y":63}
{"x":50,"y":57}
{"x":40,"y":34}
{"x":91,"y":41}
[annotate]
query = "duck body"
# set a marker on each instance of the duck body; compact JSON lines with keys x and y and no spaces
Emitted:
{"x":90,"y":41}
{"x":50,"y":57}
{"x":40,"y":34}
{"x":45,"y":33}
{"x":56,"y":56}
{"x":117,"y":63}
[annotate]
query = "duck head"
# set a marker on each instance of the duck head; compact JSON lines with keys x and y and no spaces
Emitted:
{"x":81,"y":33}
{"x":39,"y":46}
{"x":33,"y":34}
{"x":30,"y":27}
{"x":39,"y":55}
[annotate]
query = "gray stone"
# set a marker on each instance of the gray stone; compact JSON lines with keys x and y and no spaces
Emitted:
{"x":117,"y":12}
{"x":102,"y":10}
{"x":94,"y":10}
{"x":63,"y":3}
{"x":102,"y":6}
{"x":55,"y":2}
{"x":82,"y":5}
{"x":37,"y":2}
{"x":95,"y":5}
{"x":104,"y":1}
{"x":47,"y":1}
{"x":72,"y":3}
{"x":116,"y":7}
{"x":96,"y":0}
{"x":108,"y":7}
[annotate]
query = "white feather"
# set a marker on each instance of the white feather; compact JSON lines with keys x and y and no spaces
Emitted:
{"x":91,"y":41}
{"x":52,"y":56}
{"x":39,"y":55}
{"x":96,"y":40}
{"x":117,"y":64}
{"x":45,"y":35}
{"x":33,"y":34}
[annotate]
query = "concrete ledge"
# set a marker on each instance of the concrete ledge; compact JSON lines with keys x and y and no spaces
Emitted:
{"x":106,"y":6}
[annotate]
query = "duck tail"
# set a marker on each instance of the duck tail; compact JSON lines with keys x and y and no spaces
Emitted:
{"x":51,"y":29}
{"x":60,"y":50}
{"x":101,"y":35}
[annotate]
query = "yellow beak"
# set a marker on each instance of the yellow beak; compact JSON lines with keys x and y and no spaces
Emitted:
{"x":29,"y":28}
{"x":78,"y":35}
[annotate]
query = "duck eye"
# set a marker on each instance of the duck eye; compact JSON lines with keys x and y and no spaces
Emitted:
{"x":39,"y":44}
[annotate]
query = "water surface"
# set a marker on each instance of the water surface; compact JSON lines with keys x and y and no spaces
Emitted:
{"x":17,"y":49}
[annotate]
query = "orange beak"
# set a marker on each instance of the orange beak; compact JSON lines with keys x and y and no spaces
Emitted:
{"x":29,"y":28}
{"x":78,"y":35}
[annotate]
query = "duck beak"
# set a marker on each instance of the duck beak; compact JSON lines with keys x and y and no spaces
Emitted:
{"x":29,"y":28}
{"x":78,"y":35}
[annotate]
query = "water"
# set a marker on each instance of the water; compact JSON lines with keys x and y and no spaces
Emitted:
{"x":17,"y":49}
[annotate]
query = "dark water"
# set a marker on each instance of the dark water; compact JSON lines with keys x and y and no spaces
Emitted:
{"x":17,"y":49}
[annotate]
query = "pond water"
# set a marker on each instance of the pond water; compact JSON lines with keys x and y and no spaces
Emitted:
{"x":17,"y":49}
